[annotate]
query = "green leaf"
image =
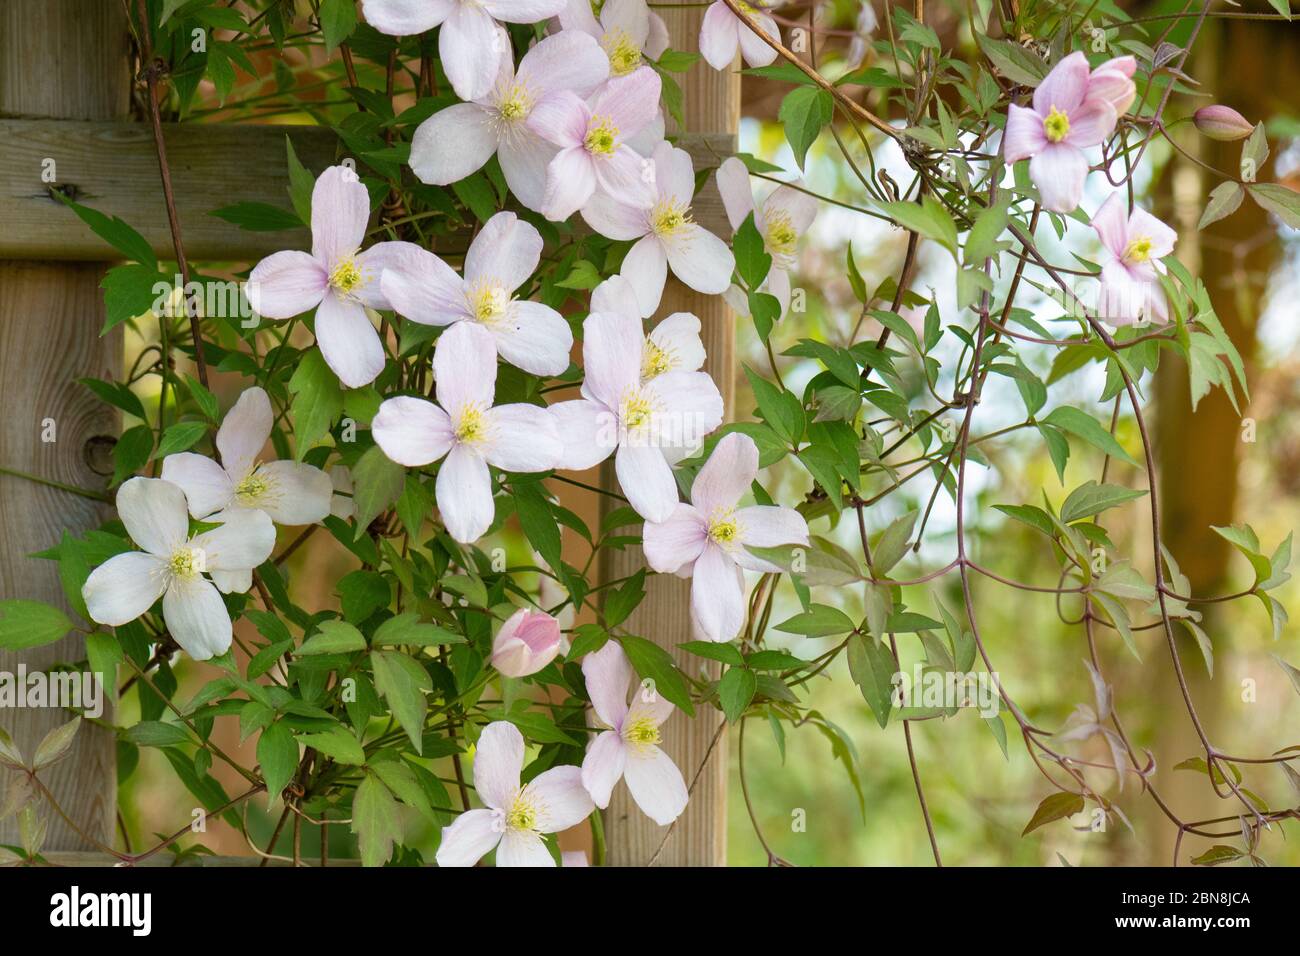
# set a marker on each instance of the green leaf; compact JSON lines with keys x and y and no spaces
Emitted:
{"x":338,"y":744}
{"x":539,"y":728}
{"x":818,"y":621}
{"x":1224,"y":200}
{"x":1279,"y":200}
{"x":403,"y":683}
{"x":317,"y":401}
{"x":1219,"y":853}
{"x":726,"y":653}
{"x":1029,"y":514}
{"x":155,"y":733}
{"x":116,"y":233}
{"x":872,"y":668}
{"x":893,"y":543}
{"x":55,"y":744}
{"x":277,"y":753}
{"x":407,"y":628}
{"x":735,"y":691}
{"x":1091,"y":498}
{"x":928,"y":219}
{"x":180,"y":437}
{"x":258,"y":217}
{"x":804,"y":111}
{"x":655,"y":664}
{"x":129,"y":291}
{"x":1012,"y":60}
{"x":375,"y":819}
{"x":335,"y":637}
{"x":377,"y":481}
{"x":752,"y":259}
{"x":25,"y":624}
{"x":1082,"y":425}
{"x":301,"y":183}
{"x":338,"y":18}
{"x":362,"y":593}
{"x":1054,"y":807}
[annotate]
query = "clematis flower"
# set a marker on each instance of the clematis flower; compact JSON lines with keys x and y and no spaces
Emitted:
{"x":649,"y":423}
{"x":336,"y":279}
{"x":527,"y":642}
{"x":1130,"y":283}
{"x":629,"y":746}
{"x":528,"y":335}
{"x":627,"y":30}
{"x":593,"y":140}
{"x":470,"y":45}
{"x":172,"y":564}
{"x":666,"y":234}
{"x":1113,"y":82}
{"x":721,"y":32}
{"x":458,"y":140}
{"x":707,"y":539}
{"x":1064,"y":121}
{"x":782,"y":217}
{"x":467,"y":431}
{"x":514,"y":817}
{"x":673,"y":345}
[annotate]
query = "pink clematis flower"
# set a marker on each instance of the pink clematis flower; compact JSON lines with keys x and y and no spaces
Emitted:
{"x":1064,"y":121}
{"x":172,"y":564}
{"x":458,"y":140}
{"x":336,"y":279}
{"x":527,"y":642}
{"x":666,"y":234}
{"x":721,"y":32}
{"x":627,"y":30}
{"x":470,"y":46}
{"x":1130,"y":273}
{"x":528,"y":335}
{"x":707,"y":538}
{"x":514,"y":817}
{"x":629,"y":746}
{"x":1113,"y":82}
{"x":782,"y":217}
{"x":673,"y":345}
{"x":467,"y":431}
{"x":593,"y":140}
{"x":650,"y":423}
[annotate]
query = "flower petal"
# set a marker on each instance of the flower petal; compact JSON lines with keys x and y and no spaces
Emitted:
{"x":124,"y":587}
{"x":655,"y":784}
{"x":453,"y":143}
{"x":733,"y":184}
{"x":678,"y":337}
{"x":244,"y":431}
{"x":471,"y":836}
{"x":470,"y":47}
{"x":616,"y":295}
{"x":340,"y":207}
{"x":1059,"y":172}
{"x":412,"y":431}
{"x":624,"y":174}
{"x":498,"y":760}
{"x":1091,"y":123}
{"x":630,"y":102}
{"x":613,"y":219}
{"x":1024,"y":135}
{"x":285,"y":284}
{"x":405,"y":18}
{"x":717,"y":596}
{"x":244,"y":540}
{"x":672,"y":544}
{"x":298,"y":493}
{"x":560,"y":118}
{"x":524,"y":439}
{"x":232,"y":582}
{"x":465,"y":368}
{"x":726,"y":476}
{"x":535,"y":338}
{"x":524,"y":158}
{"x":155,"y":514}
{"x":464,"y":494}
{"x":523,"y":848}
{"x":564,"y":802}
{"x":505,"y":252}
{"x":646,"y":480}
{"x":701,"y":260}
{"x":1142,"y":223}
{"x":755,"y":51}
{"x":373,"y":263}
{"x":523,"y":11}
{"x":1064,"y":86}
{"x":766,"y":526}
{"x":424,"y":289}
{"x":611,"y":356}
{"x":569,"y":60}
{"x":687,"y":407}
{"x":348,"y":341}
{"x":587,"y":431}
{"x":607,"y":674}
{"x":602,"y":767}
{"x":719,"y":36}
{"x":206,"y":485}
{"x":570,"y":182}
{"x":1111,"y":223}
{"x":197,"y":617}
{"x":646,"y":267}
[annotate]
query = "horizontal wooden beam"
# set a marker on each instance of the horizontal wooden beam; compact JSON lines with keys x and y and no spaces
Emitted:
{"x":113,"y":168}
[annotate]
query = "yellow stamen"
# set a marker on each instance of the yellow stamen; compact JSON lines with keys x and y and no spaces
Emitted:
{"x":489,"y":302}
{"x":624,"y":55}
{"x":523,"y":814}
{"x":781,"y":234}
{"x":253,"y":487}
{"x":347,"y":277}
{"x":636,"y":410}
{"x":602,"y":137}
{"x":642,"y":731}
{"x":656,"y":360}
{"x":1138,"y":250}
{"x":186,"y":562}
{"x":668,"y":218}
{"x":1057,"y":125}
{"x":724,"y":529}
{"x":472,"y":425}
{"x":517,"y":104}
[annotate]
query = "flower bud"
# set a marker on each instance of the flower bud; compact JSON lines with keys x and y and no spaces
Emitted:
{"x":526,"y":643}
{"x":1222,"y":123}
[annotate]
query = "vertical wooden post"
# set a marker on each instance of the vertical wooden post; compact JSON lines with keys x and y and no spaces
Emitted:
{"x":699,"y":838}
{"x":59,"y":59}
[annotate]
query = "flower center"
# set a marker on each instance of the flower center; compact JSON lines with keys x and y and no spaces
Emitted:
{"x":1138,"y":250}
{"x":602,"y":137}
{"x":471,"y":427}
{"x":781,"y":234}
{"x":624,"y":55}
{"x":489,"y":303}
{"x":656,"y":360}
{"x":637,"y":410}
{"x":186,"y":562}
{"x":516,"y":105}
{"x":253,"y":487}
{"x":669,"y":218}
{"x":1056,"y":126}
{"x":347,"y":277}
{"x":642,"y":731}
{"x":724,"y":529}
{"x":523,"y":814}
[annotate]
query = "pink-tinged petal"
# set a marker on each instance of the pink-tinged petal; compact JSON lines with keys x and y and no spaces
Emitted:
{"x":1091,"y":123}
{"x":611,"y":356}
{"x":523,"y":848}
{"x":570,"y":858}
{"x":655,"y":784}
{"x":607,"y":674}
{"x":726,"y":476}
{"x":630,"y":102}
{"x":297,"y":493}
{"x":523,"y":11}
{"x":625,"y":175}
{"x":405,"y":18}
{"x":498,"y":760}
{"x":587,"y":431}
{"x":570,"y":181}
{"x":471,"y":47}
{"x":453,"y":143}
{"x":687,"y":406}
{"x":719,"y":36}
{"x":244,"y":540}
{"x":471,"y":836}
{"x":678,"y":337}
{"x":412,"y":431}
{"x":675,"y":543}
{"x":648,"y":704}
{"x":124,"y":587}
{"x":244,"y":432}
{"x":1064,"y":87}
{"x":656,"y":42}
{"x":523,"y":439}
{"x":733,"y":185}
{"x":787,"y":202}
{"x":423,"y":288}
{"x":465,"y":367}
{"x":348,"y":341}
{"x":700,"y":259}
{"x":206,"y":485}
{"x":155,"y":514}
{"x":602,"y":767}
{"x":505,"y":252}
{"x":1126,"y":297}
{"x":464,"y":494}
{"x":1113,"y":82}
{"x":648,"y":139}
{"x":755,"y":51}
{"x":1059,"y":172}
{"x":778,"y":284}
{"x":570,"y":60}
{"x":646,"y":267}
{"x":561,"y":798}
{"x":615,"y":295}
{"x":1123,"y":65}
{"x":1024,"y":136}
{"x":578,"y":15}
{"x":197,"y":618}
{"x":766,"y":526}
{"x":373,"y":263}
{"x":630,"y":16}
{"x":674,"y":173}
{"x":615,"y":220}
{"x":646,"y":480}
{"x":1111,"y":223}
{"x":560,"y":118}
{"x":285,"y":284}
{"x":717,"y":596}
{"x":1142,"y":223}
{"x":524,"y":157}
{"x":527,"y":642}
{"x":340,"y":208}
{"x":534,"y":338}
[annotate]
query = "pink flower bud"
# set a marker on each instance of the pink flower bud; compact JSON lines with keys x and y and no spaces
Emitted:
{"x":1222,"y":123}
{"x":526,"y":643}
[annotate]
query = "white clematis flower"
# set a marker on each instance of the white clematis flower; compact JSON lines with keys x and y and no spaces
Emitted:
{"x":514,"y":817}
{"x":627,"y":30}
{"x":666,"y":234}
{"x":722,"y":33}
{"x":673,"y":345}
{"x":467,"y":431}
{"x":172,"y":565}
{"x":528,"y":335}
